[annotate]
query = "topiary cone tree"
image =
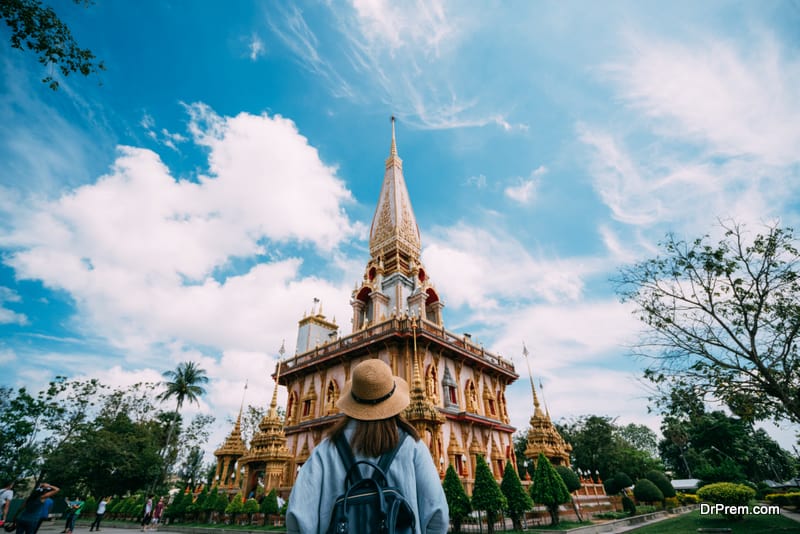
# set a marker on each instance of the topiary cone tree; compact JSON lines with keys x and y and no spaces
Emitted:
{"x":269,"y":504}
{"x":662,"y":482}
{"x":573,"y":483}
{"x":457,"y":500}
{"x":517,"y":499}
{"x":548,"y":488}
{"x":646,"y":491}
{"x":486,"y":494}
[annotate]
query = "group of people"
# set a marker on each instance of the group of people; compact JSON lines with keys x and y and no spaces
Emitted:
{"x":152,"y":514}
{"x":38,"y":506}
{"x":33,"y":511}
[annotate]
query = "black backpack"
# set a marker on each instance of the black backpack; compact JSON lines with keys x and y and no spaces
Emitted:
{"x":369,"y":505}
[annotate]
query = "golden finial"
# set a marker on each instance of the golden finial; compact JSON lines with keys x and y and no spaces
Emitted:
{"x":393,"y":150}
{"x":537,"y":409}
{"x":273,"y":406}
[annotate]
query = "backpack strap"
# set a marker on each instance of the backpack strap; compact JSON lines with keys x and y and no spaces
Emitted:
{"x":386,"y":459}
{"x":346,"y":454}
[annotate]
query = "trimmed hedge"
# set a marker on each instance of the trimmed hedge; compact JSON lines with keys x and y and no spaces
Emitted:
{"x":784,"y":499}
{"x":688,"y":498}
{"x":728,"y":494}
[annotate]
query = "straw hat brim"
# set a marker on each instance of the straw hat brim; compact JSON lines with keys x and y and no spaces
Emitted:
{"x":374,"y":412}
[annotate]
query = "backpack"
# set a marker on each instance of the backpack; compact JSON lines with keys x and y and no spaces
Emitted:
{"x":369,"y":505}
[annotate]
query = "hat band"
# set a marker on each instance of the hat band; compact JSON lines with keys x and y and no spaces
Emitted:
{"x":373,"y":401}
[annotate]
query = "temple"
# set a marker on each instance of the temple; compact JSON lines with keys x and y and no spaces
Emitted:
{"x":458,"y":401}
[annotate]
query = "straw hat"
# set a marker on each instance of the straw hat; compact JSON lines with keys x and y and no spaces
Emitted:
{"x":373,"y":393}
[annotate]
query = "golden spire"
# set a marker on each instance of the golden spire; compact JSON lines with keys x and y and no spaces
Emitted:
{"x":394,"y":235}
{"x":237,"y":428}
{"x":417,"y":387}
{"x":537,"y":410}
{"x":273,"y":406}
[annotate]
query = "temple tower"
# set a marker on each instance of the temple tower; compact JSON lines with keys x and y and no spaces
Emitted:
{"x":228,"y":456}
{"x":267,"y":460}
{"x":457,"y":387}
{"x":543,"y":436}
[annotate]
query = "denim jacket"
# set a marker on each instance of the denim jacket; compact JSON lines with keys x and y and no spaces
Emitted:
{"x":321,"y":480}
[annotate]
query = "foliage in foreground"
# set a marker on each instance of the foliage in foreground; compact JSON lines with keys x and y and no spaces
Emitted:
{"x":728,"y":494}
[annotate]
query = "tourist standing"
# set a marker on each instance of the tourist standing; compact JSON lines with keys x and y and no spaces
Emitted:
{"x":76,"y":506}
{"x":158,"y":510}
{"x":148,"y":512}
{"x":372,"y":403}
{"x":6,"y":496}
{"x":47,"y":507}
{"x":28,"y":517}
{"x":98,"y":516}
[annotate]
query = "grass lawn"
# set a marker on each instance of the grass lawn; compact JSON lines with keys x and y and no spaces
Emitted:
{"x":753,"y":524}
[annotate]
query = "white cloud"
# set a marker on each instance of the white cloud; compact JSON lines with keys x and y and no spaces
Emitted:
{"x":722,"y":126}
{"x":738,"y":99}
{"x":138,"y":250}
{"x":256,"y":47}
{"x":479,"y":268}
{"x":524,"y":192}
{"x":9,"y":316}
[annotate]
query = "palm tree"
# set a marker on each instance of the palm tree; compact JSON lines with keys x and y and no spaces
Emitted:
{"x":184,"y":383}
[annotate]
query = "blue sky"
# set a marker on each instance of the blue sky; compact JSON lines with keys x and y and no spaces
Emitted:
{"x":191,"y":201}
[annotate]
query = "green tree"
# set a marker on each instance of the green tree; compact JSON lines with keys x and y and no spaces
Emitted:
{"x":37,"y":28}
{"x":185,"y":383}
{"x":517,"y":499}
{"x":20,"y":417}
{"x":646,"y":491}
{"x":269,"y":504}
{"x":548,"y":488}
{"x":573,"y":483}
{"x":617,"y":483}
{"x":457,"y":500}
{"x":662,"y":483}
{"x":210,"y":503}
{"x":486,"y":494}
{"x":250,"y":507}
{"x":724,"y":316}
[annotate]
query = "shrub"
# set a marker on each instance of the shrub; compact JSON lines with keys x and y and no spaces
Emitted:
{"x":617,"y":483}
{"x":728,"y":494}
{"x":628,"y":505}
{"x":785,"y":499}
{"x":457,"y":500}
{"x":517,"y":499}
{"x":548,"y":488}
{"x":570,"y":478}
{"x":236,"y":505}
{"x":688,"y":498}
{"x":250,"y":506}
{"x":671,"y":502}
{"x":662,"y":482}
{"x":486,"y":494}
{"x":269,"y":504}
{"x":646,"y":491}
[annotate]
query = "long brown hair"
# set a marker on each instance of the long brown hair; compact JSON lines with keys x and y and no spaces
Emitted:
{"x":374,"y":438}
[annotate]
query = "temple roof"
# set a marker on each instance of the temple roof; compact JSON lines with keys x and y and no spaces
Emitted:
{"x":394,"y":227}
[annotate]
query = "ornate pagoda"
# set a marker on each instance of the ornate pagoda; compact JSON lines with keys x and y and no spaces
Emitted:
{"x":267,"y":460}
{"x":228,"y":456}
{"x":542,"y":435}
{"x":458,"y":388}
